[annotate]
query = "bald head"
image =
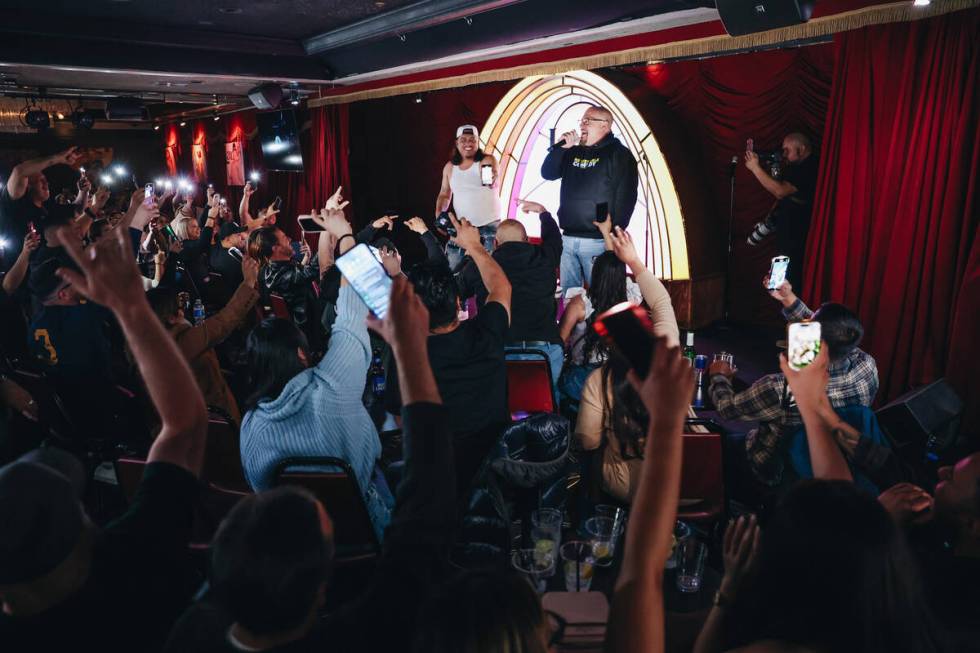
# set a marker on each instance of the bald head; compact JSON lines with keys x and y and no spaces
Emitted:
{"x":511,"y":231}
{"x":796,"y":147}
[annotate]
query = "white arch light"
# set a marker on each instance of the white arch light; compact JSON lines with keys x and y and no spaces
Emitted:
{"x":518,"y":133}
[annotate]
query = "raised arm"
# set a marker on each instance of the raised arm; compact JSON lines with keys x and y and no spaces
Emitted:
{"x":654,"y":293}
{"x":109,"y":276}
{"x":201,"y":337}
{"x":17,"y":182}
{"x":18,"y":271}
{"x":794,"y":310}
{"x":776,"y":188}
{"x":496,"y":282}
{"x":433,"y":251}
{"x":445,"y":192}
{"x":636,"y":618}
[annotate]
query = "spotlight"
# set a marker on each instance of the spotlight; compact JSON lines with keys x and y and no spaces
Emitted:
{"x":217,"y":117}
{"x":255,"y":176}
{"x":82,"y":119}
{"x":183,"y":123}
{"x":294,"y":98}
{"x":60,"y":115}
{"x":418,"y":99}
{"x":156,"y":128}
{"x":921,"y":3}
{"x":37,"y":119}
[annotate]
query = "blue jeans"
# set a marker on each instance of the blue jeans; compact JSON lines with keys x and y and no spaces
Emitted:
{"x":556,"y":358}
{"x":487,"y":234}
{"x":577,"y":255}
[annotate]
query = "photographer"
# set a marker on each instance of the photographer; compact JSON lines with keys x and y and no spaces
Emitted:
{"x":794,"y":191}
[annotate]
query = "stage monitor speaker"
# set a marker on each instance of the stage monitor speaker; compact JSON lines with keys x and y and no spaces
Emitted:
{"x":266,"y":96}
{"x":926,"y":418}
{"x":748,"y":16}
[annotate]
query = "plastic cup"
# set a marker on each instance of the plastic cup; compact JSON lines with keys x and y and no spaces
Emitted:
{"x":602,"y":533}
{"x":690,"y":564}
{"x":577,"y":563}
{"x":535,"y":565}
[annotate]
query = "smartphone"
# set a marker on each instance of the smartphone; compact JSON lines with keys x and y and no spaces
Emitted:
{"x":31,"y":228}
{"x":486,"y":175}
{"x":223,"y":201}
{"x":236,"y":254}
{"x":149,"y":194}
{"x":308,"y":224}
{"x":368,"y":278}
{"x":777,"y":271}
{"x":627,"y":327}
{"x":277,"y":203}
{"x":749,"y":145}
{"x":601,"y":211}
{"x":804,"y":344}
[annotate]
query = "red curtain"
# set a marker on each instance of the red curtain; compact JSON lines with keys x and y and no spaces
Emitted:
{"x":722,"y":102}
{"x":894,"y":233}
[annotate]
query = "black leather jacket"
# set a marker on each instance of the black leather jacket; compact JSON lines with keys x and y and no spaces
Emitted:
{"x":294,"y":283}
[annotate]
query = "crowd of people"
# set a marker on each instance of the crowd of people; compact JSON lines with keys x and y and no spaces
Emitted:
{"x":143,"y":315}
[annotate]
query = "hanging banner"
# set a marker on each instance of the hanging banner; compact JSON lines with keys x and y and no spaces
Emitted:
{"x":171,"y":149}
{"x":199,"y":151}
{"x":234,"y":163}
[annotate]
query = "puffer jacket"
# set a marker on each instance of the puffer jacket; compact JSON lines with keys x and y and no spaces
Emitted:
{"x":294,"y":283}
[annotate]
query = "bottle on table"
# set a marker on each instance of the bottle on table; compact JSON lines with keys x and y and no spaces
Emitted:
{"x":689,"y":352}
{"x":198,"y":311}
{"x":377,"y":375}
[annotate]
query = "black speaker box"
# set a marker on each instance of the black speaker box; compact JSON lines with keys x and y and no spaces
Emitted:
{"x":925,"y":418}
{"x":748,"y":16}
{"x":267,"y":96}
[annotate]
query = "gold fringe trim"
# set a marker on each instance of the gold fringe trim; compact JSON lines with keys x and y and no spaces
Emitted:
{"x":850,"y":20}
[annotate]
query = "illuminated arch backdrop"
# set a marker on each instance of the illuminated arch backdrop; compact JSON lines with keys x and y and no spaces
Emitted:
{"x":519,"y":133}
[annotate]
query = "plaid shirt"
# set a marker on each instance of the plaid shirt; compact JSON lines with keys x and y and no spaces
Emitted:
{"x":853,"y":381}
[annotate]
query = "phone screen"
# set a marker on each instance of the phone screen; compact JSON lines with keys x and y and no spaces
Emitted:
{"x":804,"y":344}
{"x":777,"y":271}
{"x":368,"y":278}
{"x":627,"y":327}
{"x":601,"y":211}
{"x":235,"y":253}
{"x":486,"y":175}
{"x":749,"y":145}
{"x":307,"y":223}
{"x":277,"y":204}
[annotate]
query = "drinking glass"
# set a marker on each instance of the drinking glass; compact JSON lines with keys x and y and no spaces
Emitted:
{"x":725,"y":356}
{"x":681,"y":532}
{"x":615,"y":513}
{"x":578,"y":565}
{"x":546,"y":530}
{"x":535,"y":565}
{"x":602,"y":532}
{"x":690,"y":564}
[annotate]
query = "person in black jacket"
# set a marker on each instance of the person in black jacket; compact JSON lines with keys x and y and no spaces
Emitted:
{"x":531,"y":271}
{"x":598,"y":175}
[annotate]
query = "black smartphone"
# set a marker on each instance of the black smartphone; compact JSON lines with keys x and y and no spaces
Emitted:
{"x":368,"y":278}
{"x":627,"y":327}
{"x":277,"y":203}
{"x":308,"y":224}
{"x":235,"y":253}
{"x":601,"y":211}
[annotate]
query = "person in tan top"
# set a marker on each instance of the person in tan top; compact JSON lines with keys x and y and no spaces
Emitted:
{"x":196,"y":341}
{"x":611,"y":415}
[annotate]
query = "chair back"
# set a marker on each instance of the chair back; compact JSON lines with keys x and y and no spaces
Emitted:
{"x":222,"y":456}
{"x":529,"y":386}
{"x":702,"y":482}
{"x":279,"y":307}
{"x":332,"y":481}
{"x":52,"y":413}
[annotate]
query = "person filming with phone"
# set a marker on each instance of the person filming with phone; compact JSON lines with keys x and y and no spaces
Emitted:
{"x":794,"y":190}
{"x":599,"y":178}
{"x":469,"y":180}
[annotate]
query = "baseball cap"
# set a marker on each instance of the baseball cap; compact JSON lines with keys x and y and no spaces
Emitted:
{"x":229,"y":229}
{"x":43,"y":280}
{"x":41,"y":513}
{"x":462,"y":129}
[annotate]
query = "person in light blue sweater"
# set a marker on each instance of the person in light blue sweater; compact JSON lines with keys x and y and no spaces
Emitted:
{"x":297,"y":410}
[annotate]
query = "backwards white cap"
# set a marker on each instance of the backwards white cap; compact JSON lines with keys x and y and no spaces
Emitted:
{"x":465,"y":128}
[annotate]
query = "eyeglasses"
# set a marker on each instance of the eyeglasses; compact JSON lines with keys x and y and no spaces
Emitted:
{"x":556,"y":626}
{"x":591,"y":120}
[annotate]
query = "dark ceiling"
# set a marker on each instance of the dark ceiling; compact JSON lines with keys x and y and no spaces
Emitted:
{"x":202,"y":51}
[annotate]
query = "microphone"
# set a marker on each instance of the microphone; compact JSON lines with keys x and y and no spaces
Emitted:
{"x":557,"y":144}
{"x":733,"y":165}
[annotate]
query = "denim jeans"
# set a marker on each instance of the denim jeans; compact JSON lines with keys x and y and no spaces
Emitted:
{"x":487,"y":234}
{"x":556,"y":358}
{"x":577,"y":255}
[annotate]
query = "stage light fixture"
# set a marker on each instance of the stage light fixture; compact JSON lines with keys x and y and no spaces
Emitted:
{"x":156,"y":128}
{"x":418,"y":99}
{"x":37,"y":119}
{"x":60,"y":115}
{"x":183,"y":123}
{"x":82,"y":119}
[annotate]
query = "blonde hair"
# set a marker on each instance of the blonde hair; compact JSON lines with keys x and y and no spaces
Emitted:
{"x":181,"y":227}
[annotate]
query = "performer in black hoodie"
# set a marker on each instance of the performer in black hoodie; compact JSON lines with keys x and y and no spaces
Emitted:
{"x":596,"y":170}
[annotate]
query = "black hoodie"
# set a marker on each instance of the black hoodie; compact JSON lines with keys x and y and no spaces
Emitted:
{"x":604,"y":172}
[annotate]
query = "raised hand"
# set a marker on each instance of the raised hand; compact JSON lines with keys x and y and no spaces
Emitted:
{"x":336,"y":202}
{"x":532,"y":207}
{"x":107,"y":272}
{"x":31,"y":242}
{"x":605,"y":227}
{"x":248,"y":190}
{"x":250,"y":271}
{"x":623,"y":247}
{"x":385,"y":221}
{"x":69,"y":157}
{"x":333,"y":221}
{"x":417,"y":225}
{"x":740,"y":550}
{"x":100,"y":198}
{"x":406,"y":327}
{"x":571,"y":139}
{"x":467,"y":236}
{"x":84,"y":185}
{"x":751,"y":160}
{"x":392,"y":262}
{"x":784,"y":293}
{"x":809,"y":384}
{"x":907,"y":503}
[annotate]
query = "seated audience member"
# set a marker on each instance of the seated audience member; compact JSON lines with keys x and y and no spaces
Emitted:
{"x":24,"y":198}
{"x":467,"y":357}
{"x":829,"y":572}
{"x":197,"y":341}
{"x":490,"y":611}
{"x":65,"y":583}
{"x":610,"y":286}
{"x":853,"y":382}
{"x":272,"y":554}
{"x":299,"y":410}
{"x":230,"y":235}
{"x":532,"y":272}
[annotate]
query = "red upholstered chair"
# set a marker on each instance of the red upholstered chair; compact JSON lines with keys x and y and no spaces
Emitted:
{"x":280,"y":308}
{"x":222,"y":455}
{"x":335,"y":485}
{"x":529,"y":387}
{"x":702,"y":482}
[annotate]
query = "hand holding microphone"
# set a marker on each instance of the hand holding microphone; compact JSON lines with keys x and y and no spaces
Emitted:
{"x":570,"y":138}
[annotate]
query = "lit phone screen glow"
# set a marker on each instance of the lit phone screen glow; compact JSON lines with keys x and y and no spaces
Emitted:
{"x":368,"y":278}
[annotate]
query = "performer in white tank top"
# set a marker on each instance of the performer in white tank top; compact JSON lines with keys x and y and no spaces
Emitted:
{"x":463,"y":185}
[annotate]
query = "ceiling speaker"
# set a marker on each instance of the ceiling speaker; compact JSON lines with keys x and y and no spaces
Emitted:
{"x":748,"y":16}
{"x":266,"y":96}
{"x":125,"y":108}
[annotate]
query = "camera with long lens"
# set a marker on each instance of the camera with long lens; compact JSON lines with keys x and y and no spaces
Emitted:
{"x":761,"y":230}
{"x":443,"y":222}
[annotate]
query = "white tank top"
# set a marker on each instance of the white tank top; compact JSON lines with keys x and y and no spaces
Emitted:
{"x":471,"y":199}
